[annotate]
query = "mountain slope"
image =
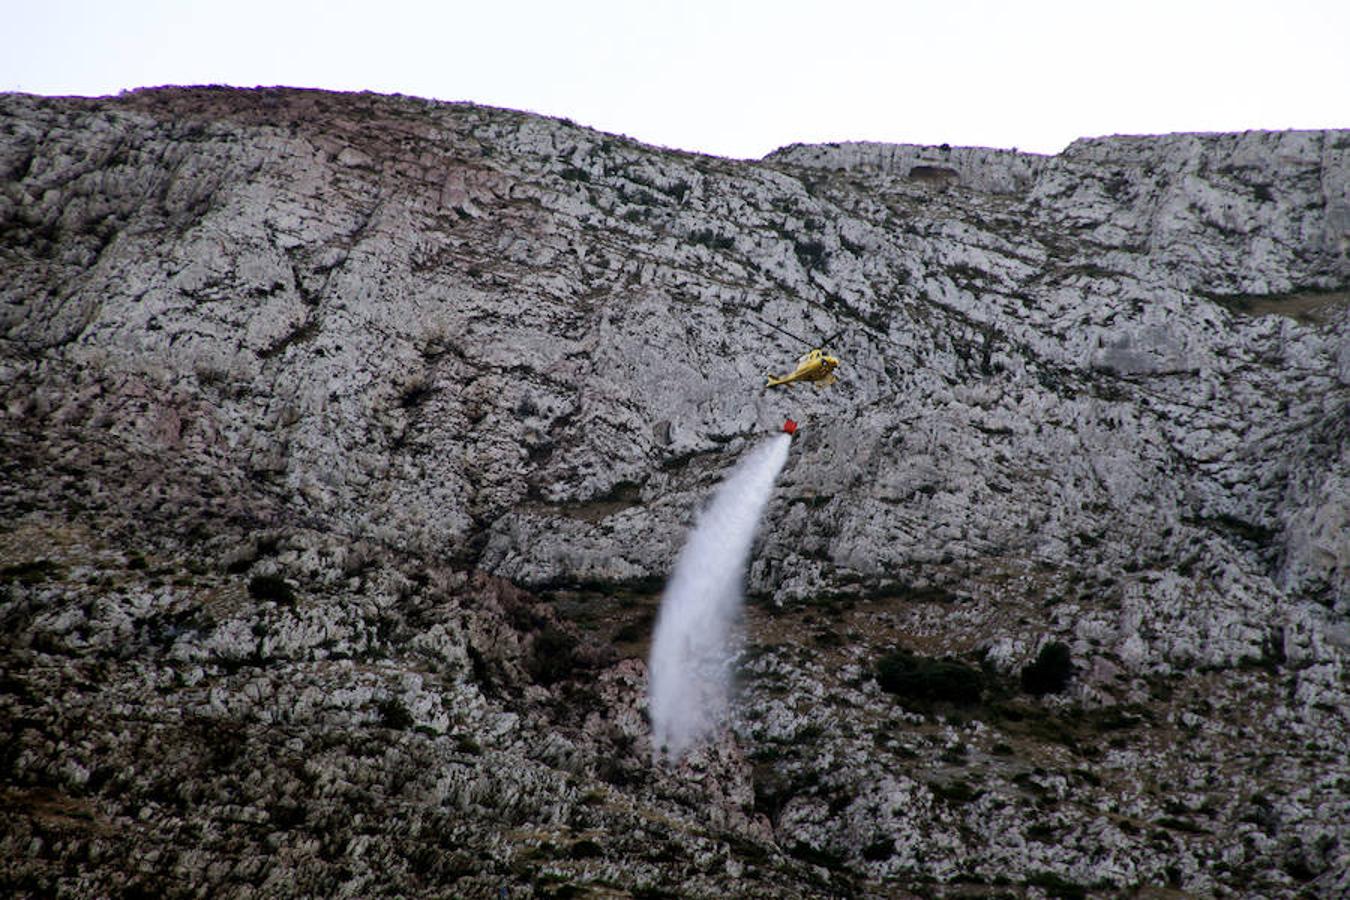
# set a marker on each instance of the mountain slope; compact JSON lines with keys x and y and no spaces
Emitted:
{"x":349,"y":439}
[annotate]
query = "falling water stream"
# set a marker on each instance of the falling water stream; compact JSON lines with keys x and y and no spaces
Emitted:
{"x":692,"y":647}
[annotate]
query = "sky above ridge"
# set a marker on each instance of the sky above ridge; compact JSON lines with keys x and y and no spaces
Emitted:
{"x":739,"y":79}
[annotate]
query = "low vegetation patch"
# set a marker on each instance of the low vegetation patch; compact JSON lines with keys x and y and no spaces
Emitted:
{"x":395,"y":714}
{"x":271,"y":587}
{"x":1057,"y":886}
{"x":709,"y":238}
{"x":920,"y":680}
{"x":956,"y":793}
{"x":553,"y":656}
{"x":1051,"y":672}
{"x":879,"y":851}
{"x":34,"y":572}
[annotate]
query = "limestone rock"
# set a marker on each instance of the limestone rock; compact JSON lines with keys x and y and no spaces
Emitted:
{"x":348,"y":439}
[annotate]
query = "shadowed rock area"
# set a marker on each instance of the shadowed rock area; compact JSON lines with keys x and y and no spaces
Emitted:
{"x":347,"y":441}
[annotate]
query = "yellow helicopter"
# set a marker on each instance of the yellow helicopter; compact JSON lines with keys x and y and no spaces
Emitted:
{"x":817,"y":365}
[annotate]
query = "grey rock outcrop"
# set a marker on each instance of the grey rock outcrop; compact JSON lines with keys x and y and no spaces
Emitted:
{"x":348,"y":440}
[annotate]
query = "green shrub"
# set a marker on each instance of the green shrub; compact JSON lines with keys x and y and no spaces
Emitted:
{"x":957,"y":793}
{"x":879,"y":851}
{"x":30,"y":573}
{"x":817,"y":856}
{"x":1042,"y":832}
{"x":1057,"y":886}
{"x":415,"y":392}
{"x":586,"y":849}
{"x":632,"y":632}
{"x":1051,"y":671}
{"x":554,"y":656}
{"x":271,"y":587}
{"x":394,"y":714}
{"x":925,"y":680}
{"x":811,"y":254}
{"x":709,"y":238}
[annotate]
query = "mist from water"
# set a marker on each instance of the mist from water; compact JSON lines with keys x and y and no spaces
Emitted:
{"x":690,"y":671}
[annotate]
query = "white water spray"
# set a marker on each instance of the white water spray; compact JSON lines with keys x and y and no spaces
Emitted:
{"x":690,"y":675}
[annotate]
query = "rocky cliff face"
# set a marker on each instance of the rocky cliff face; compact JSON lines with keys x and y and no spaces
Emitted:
{"x":348,"y":440}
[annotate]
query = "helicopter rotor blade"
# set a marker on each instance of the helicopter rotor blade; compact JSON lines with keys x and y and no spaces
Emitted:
{"x":831,"y":339}
{"x":781,"y":330}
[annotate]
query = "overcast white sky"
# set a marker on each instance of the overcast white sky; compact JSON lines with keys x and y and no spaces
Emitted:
{"x":739,"y":78}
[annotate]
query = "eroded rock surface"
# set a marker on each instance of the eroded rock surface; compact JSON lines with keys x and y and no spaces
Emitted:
{"x":348,"y":440}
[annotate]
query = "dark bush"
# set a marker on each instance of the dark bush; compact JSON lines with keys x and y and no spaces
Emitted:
{"x":1042,"y":832}
{"x":817,"y":856}
{"x":709,"y":238}
{"x":287,"y":815}
{"x":30,"y":573}
{"x":925,"y":680}
{"x":586,"y":849}
{"x":957,"y":793}
{"x":270,"y":587}
{"x":1051,"y":671}
{"x":394,"y":714}
{"x":554,"y":656}
{"x":415,"y":392}
{"x":653,"y":892}
{"x":1056,"y":886}
{"x":879,"y":851}
{"x":811,"y":254}
{"x":632,"y":632}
